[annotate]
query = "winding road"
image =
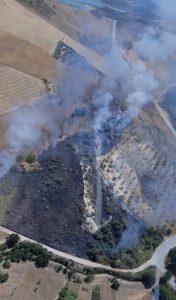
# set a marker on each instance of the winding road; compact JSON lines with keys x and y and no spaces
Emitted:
{"x":158,"y":258}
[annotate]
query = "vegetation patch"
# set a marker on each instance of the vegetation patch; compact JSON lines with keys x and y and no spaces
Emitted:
{"x":23,"y":251}
{"x":166,"y":292}
{"x":67,"y":294}
{"x":100,"y":248}
{"x":3,"y":277}
{"x":96,"y":293}
{"x":171,"y":261}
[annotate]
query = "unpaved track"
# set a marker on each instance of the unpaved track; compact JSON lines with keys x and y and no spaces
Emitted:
{"x":165,"y":119}
{"x":158,"y":258}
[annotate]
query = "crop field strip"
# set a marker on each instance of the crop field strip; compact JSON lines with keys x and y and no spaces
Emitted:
{"x":17,"y":89}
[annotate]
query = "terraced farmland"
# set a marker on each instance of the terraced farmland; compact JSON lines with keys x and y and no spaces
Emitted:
{"x":17,"y":88}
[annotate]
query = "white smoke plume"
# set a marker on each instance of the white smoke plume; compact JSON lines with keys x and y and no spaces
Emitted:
{"x":156,"y":46}
{"x":166,"y":11}
{"x":131,"y":235}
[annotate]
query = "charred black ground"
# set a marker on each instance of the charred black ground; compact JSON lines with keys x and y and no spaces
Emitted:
{"x":48,"y":205}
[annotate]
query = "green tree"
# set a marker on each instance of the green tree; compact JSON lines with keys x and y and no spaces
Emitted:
{"x":70,"y":275}
{"x":149,"y":279}
{"x":6,"y":264}
{"x":171,"y":261}
{"x":42,"y":260}
{"x":167,"y":276}
{"x":65,"y":271}
{"x":12,"y":240}
{"x":3,"y":277}
{"x":166,"y":292}
{"x":115,"y":284}
{"x":89,"y":278}
{"x":58,"y":269}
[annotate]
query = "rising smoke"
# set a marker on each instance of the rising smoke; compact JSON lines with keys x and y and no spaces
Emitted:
{"x":156,"y":44}
{"x":42,"y":122}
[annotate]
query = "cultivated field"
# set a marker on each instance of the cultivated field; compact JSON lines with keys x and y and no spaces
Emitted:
{"x":27,"y":282}
{"x":127,"y":290}
{"x":17,"y":19}
{"x":25,"y":56}
{"x":17,"y":88}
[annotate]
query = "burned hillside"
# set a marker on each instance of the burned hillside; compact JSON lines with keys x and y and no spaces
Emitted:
{"x":46,"y":203}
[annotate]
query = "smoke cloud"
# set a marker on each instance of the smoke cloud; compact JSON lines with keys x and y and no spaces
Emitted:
{"x":156,"y":46}
{"x":166,"y":11}
{"x":40,"y":124}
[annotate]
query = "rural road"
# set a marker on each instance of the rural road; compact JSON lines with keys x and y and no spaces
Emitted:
{"x":165,"y":119}
{"x":158,"y":258}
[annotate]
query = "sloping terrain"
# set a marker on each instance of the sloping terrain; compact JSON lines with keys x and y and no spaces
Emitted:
{"x":143,"y":174}
{"x":48,"y":205}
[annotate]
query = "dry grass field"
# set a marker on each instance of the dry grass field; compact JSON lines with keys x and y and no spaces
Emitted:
{"x":25,"y":56}
{"x":127,"y":290}
{"x":17,"y":88}
{"x":20,"y":21}
{"x":26,"y":282}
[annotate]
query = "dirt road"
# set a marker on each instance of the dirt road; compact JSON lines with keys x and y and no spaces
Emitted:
{"x":165,"y":119}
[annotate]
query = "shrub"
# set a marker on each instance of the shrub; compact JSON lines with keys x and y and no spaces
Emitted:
{"x":67,"y":294}
{"x":12,"y":240}
{"x":96,"y":293}
{"x":70,"y":275}
{"x":148,"y":279}
{"x":166,"y":292}
{"x":167,"y":276}
{"x":3,"y":277}
{"x":89,"y":278}
{"x":58,"y":269}
{"x":6,"y":264}
{"x":76,"y":279}
{"x":171,"y":261}
{"x":65,"y":271}
{"x":42,"y":260}
{"x":115,"y":284}
{"x":30,"y":158}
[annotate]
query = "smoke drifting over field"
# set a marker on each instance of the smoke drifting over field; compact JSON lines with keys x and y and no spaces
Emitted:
{"x":40,"y":125}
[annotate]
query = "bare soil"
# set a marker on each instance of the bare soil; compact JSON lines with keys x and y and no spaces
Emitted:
{"x":27,"y":282}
